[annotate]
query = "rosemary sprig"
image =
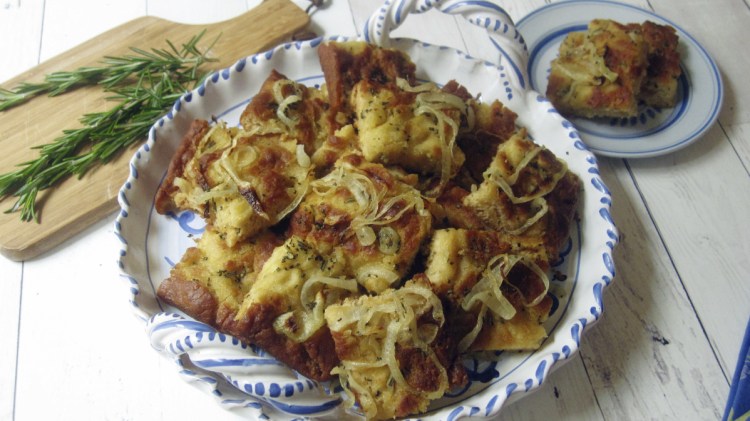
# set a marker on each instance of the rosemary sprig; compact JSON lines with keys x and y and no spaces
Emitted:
{"x":142,"y":86}
{"x":112,"y":72}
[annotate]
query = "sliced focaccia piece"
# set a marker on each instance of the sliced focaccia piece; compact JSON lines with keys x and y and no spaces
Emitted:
{"x":164,"y":201}
{"x":660,"y":87}
{"x":240,"y":182}
{"x":527,"y":191}
{"x":599,"y":73}
{"x":283,"y":106}
{"x":283,"y":310}
{"x":342,"y":142}
{"x":345,"y":64}
{"x":412,"y":127}
{"x":369,"y":213}
{"x":499,"y":280}
{"x":388,"y":344}
{"x":493,"y":124}
{"x":211,"y":279}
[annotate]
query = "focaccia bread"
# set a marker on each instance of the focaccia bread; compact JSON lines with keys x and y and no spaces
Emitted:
{"x":371,"y":231}
{"x":345,"y":64}
{"x":401,"y":126}
{"x":283,"y":106}
{"x":283,"y":310}
{"x":211,"y":279}
{"x":374,"y":218}
{"x":599,"y":72}
{"x":240,"y":181}
{"x":525,"y":192}
{"x":391,"y":361}
{"x":660,"y":87}
{"x":494,"y":123}
{"x":498,"y":280}
{"x":607,"y":70}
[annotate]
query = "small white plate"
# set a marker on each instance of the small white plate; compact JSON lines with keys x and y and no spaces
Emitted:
{"x":654,"y":131}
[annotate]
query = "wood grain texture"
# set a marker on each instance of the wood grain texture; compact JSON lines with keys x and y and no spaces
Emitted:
{"x":650,"y":334}
{"x":75,"y":204}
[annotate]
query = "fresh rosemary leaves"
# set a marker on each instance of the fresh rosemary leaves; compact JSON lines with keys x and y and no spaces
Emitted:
{"x":142,"y":85}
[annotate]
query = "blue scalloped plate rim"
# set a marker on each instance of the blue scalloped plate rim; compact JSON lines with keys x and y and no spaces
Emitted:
{"x":654,"y":131}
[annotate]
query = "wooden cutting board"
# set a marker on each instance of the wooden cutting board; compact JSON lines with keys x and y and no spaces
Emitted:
{"x":76,"y":204}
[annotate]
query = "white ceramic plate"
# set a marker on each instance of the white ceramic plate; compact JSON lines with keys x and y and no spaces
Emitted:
{"x":244,"y":378}
{"x":654,"y":131}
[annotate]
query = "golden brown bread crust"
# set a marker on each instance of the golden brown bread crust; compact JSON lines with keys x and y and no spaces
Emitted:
{"x":660,"y":87}
{"x":417,"y":368}
{"x":444,"y":346}
{"x":543,"y":177}
{"x":325,"y":221}
{"x":607,"y":70}
{"x":241,"y":182}
{"x":522,"y":332}
{"x":495,"y":123}
{"x":210,"y":280}
{"x":195,"y":287}
{"x":459,"y":259}
{"x":185,"y":152}
{"x":314,"y":358}
{"x":398,"y":127}
{"x":345,"y":64}
{"x":191,"y":297}
{"x":599,"y":72}
{"x":312,"y":121}
{"x":420,"y":373}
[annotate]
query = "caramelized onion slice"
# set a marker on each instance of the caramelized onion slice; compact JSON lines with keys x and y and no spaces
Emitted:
{"x":316,"y":293}
{"x":487,"y":294}
{"x":387,"y":324}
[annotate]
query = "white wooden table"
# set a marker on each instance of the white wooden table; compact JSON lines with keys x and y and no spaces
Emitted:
{"x":666,"y":347}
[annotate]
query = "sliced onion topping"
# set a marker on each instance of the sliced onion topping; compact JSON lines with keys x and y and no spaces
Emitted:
{"x":487,"y":294}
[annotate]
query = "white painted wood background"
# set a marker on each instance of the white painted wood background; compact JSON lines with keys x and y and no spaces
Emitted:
{"x":666,"y":347}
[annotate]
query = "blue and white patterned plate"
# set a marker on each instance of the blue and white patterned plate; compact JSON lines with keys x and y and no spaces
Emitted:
{"x":654,"y":131}
{"x":243,"y":378}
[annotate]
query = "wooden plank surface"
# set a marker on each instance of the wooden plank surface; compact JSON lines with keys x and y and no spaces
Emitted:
{"x":75,"y":204}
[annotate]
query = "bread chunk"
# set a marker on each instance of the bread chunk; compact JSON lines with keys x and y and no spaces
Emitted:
{"x":660,"y":87}
{"x":494,"y":123}
{"x":369,"y":214}
{"x":345,"y":64}
{"x":397,"y":123}
{"x":416,"y":131}
{"x":464,"y":266}
{"x":211,"y":279}
{"x":387,"y":344}
{"x":240,"y":182}
{"x":293,"y":109}
{"x":599,"y":73}
{"x":283,"y":310}
{"x":607,"y":70}
{"x":164,"y":200}
{"x":526,"y":192}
